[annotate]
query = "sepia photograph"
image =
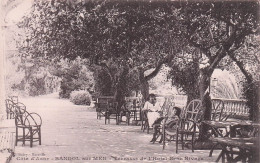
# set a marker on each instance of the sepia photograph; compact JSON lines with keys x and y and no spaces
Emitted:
{"x":85,"y":81}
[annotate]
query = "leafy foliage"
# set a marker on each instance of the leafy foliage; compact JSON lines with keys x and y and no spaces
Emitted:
{"x":120,"y":32}
{"x":80,"y":97}
{"x":185,"y":73}
{"x":141,"y":35}
{"x":75,"y":76}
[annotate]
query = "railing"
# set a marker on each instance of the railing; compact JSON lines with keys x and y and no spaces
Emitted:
{"x":235,"y":107}
{"x":180,"y":100}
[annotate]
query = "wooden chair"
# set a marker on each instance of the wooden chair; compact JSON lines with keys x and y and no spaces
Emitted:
{"x":112,"y":112}
{"x":145,"y":122}
{"x":30,"y":124}
{"x":134,"y":105}
{"x":218,"y":113}
{"x":187,"y":125}
{"x":101,"y":109}
{"x":102,"y":104}
{"x":217,"y":117}
{"x":9,"y":105}
{"x":161,"y":129}
{"x":14,"y":99}
{"x":166,"y":131}
{"x":125,"y":111}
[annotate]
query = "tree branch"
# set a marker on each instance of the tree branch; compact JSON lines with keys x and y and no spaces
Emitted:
{"x":158,"y":67}
{"x":221,"y":53}
{"x":241,"y":66}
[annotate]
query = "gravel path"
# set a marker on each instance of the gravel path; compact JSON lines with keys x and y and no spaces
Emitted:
{"x":72,"y":133}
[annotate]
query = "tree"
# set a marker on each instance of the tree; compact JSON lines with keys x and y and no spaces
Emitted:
{"x":137,"y":35}
{"x":104,"y":31}
{"x":185,"y":71}
{"x":244,"y":62}
{"x":217,"y":29}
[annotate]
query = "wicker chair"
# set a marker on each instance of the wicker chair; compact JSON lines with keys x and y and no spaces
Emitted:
{"x":29,"y":124}
{"x":187,"y":125}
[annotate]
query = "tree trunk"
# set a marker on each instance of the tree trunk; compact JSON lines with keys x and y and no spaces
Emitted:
{"x":206,"y":101}
{"x":251,"y":92}
{"x":144,"y":85}
{"x":121,"y":88}
{"x":145,"y":89}
{"x":192,"y":96}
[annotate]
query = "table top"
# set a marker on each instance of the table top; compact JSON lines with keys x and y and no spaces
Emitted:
{"x":231,"y":123}
{"x":243,"y":143}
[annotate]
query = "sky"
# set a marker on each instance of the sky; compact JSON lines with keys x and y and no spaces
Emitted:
{"x":16,"y":14}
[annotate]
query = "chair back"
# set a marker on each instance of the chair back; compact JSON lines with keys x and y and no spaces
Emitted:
{"x":9,"y":105}
{"x":217,"y":110}
{"x":104,"y":99}
{"x":23,"y":118}
{"x":33,"y":119}
{"x":14,"y":99}
{"x":103,"y":103}
{"x":133,"y":103}
{"x":20,"y":114}
{"x":113,"y":107}
{"x":102,"y":106}
{"x":168,"y":106}
{"x":193,"y":111}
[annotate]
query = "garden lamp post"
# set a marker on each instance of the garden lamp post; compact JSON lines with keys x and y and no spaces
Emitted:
{"x":214,"y":83}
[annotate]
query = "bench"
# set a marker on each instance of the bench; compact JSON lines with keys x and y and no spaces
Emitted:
{"x":6,"y":146}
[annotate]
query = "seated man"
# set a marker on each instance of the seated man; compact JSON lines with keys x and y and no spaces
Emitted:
{"x":153,"y":109}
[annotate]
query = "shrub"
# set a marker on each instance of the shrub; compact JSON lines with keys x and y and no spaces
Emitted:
{"x":76,"y":75}
{"x":80,"y":97}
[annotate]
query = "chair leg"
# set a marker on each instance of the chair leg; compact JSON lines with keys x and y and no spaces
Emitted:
{"x":177,"y":139}
{"x":23,"y":136}
{"x":220,"y":155}
{"x":127,"y":121}
{"x":31,"y":137}
{"x":192,"y":141}
{"x":163,"y":138}
{"x":40,"y":137}
{"x":16,"y":136}
{"x":211,"y":150}
{"x":182,"y":144}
